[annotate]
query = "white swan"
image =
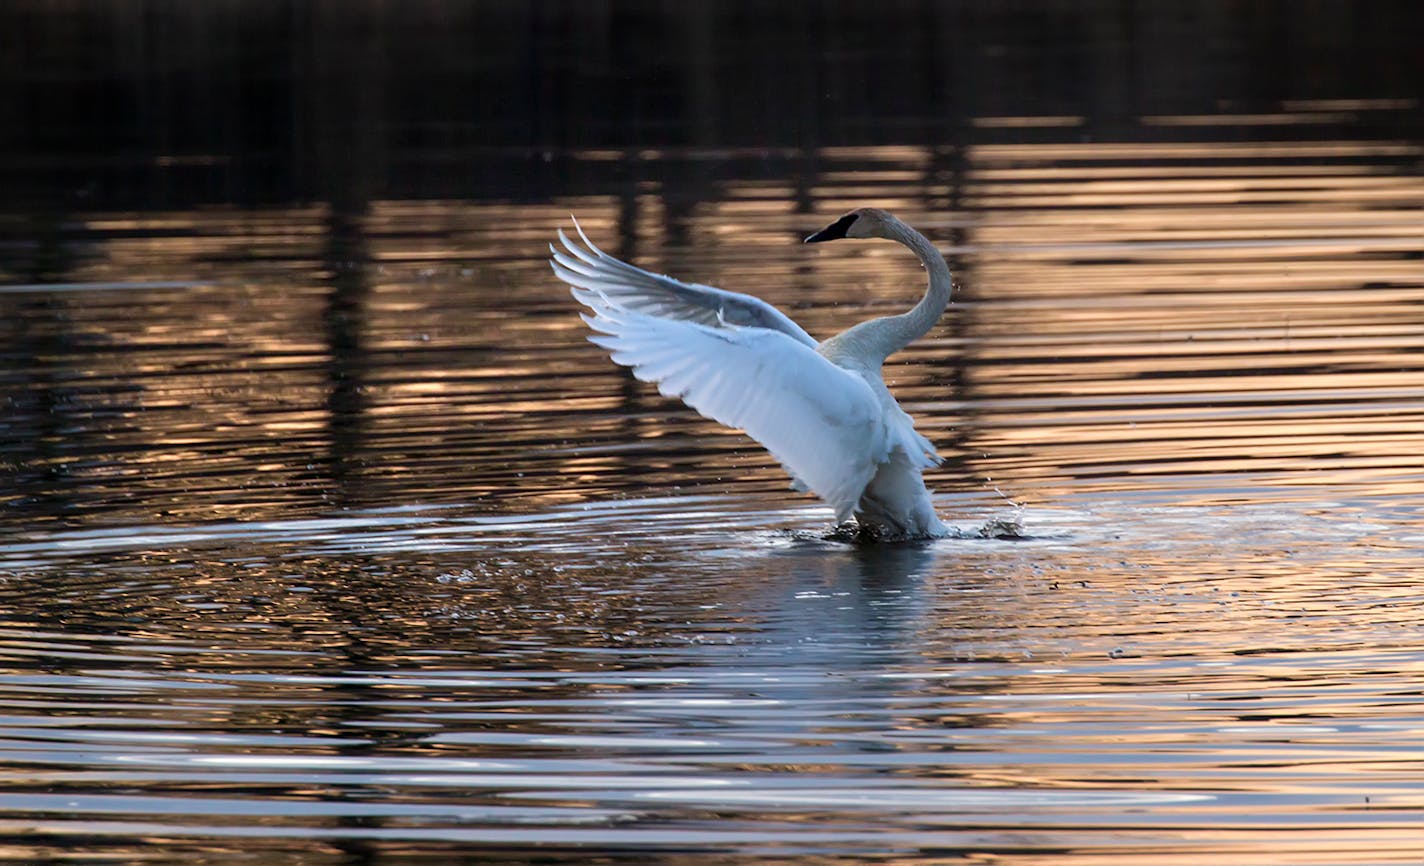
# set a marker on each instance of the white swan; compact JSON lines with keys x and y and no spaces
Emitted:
{"x":822,"y":409}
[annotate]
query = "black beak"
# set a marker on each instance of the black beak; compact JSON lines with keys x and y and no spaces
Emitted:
{"x":833,"y":232}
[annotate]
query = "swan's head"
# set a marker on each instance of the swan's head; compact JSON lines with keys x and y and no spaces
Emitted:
{"x":863,"y":222}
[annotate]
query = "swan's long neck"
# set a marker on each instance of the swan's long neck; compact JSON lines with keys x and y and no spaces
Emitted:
{"x":867,"y":345}
{"x":890,"y":334}
{"x":906,"y":328}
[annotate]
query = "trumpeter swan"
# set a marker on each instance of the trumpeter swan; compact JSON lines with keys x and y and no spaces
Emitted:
{"x":821,"y":409}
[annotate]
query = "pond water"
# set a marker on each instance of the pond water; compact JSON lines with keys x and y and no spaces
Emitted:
{"x":334,"y":536}
{"x":326,"y":537}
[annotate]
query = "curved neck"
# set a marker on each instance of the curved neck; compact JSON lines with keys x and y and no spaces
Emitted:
{"x":868,"y":344}
{"x":872,"y":342}
{"x":922,"y":318}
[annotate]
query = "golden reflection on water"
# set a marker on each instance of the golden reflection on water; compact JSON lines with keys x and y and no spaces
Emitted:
{"x":1191,"y":314}
{"x":1273,"y":337}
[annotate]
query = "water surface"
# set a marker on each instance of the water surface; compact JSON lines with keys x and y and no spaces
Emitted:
{"x":371,"y":552}
{"x":326,"y":537}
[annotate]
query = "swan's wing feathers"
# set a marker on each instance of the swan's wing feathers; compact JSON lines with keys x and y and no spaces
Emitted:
{"x":585,"y":266}
{"x":823,"y":423}
{"x":917,"y":448}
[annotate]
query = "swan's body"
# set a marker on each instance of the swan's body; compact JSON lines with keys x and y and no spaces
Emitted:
{"x":822,"y":409}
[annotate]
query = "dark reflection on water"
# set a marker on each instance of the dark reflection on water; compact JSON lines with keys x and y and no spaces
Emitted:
{"x":324,"y":534}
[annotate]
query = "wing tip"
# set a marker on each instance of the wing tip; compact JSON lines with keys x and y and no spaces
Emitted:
{"x":584,"y":237}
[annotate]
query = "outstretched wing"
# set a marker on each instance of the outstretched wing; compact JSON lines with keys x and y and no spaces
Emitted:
{"x":632,"y":288}
{"x":822,"y":422}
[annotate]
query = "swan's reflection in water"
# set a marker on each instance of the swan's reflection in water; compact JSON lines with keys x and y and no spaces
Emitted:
{"x":863,"y":601}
